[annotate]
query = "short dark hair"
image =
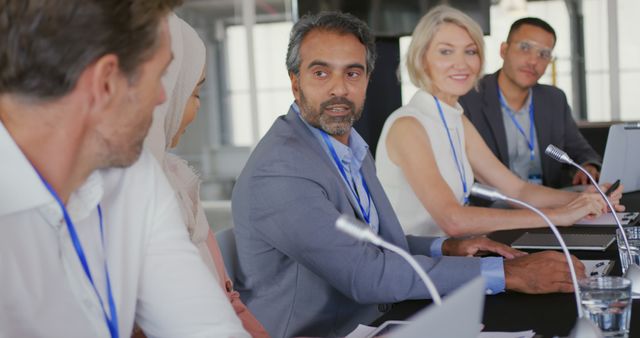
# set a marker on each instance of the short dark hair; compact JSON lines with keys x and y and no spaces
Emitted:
{"x":46,"y":44}
{"x":537,"y":22}
{"x":342,"y":23}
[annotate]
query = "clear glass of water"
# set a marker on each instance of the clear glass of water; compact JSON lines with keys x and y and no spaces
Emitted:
{"x":606,"y":301}
{"x":633,"y":235}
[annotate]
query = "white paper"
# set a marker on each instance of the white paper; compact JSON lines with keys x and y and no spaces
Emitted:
{"x":597,"y":267}
{"x":362,"y":331}
{"x":608,"y":219}
{"x":521,"y":334}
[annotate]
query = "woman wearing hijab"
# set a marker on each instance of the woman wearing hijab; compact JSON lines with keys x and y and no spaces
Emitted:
{"x":429,"y":153}
{"x":182,"y":84}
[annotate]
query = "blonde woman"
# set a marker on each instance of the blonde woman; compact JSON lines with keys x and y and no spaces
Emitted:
{"x":182,"y":82}
{"x":429,"y":154}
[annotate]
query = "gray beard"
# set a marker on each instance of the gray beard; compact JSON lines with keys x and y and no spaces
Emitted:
{"x":332,"y":125}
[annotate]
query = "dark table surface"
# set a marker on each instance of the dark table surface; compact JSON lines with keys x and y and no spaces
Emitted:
{"x":548,"y":315}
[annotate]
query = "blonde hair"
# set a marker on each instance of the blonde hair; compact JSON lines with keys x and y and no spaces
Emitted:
{"x":424,"y":33}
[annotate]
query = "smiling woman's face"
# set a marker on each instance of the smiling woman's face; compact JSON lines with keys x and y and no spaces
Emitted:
{"x":452,"y":62}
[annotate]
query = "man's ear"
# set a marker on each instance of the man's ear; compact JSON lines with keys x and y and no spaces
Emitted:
{"x":503,"y":49}
{"x":106,"y":81}
{"x":295,"y":85}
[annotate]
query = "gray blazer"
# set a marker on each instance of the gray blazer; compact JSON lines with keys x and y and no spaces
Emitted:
{"x":553,"y":122}
{"x":298,"y":274}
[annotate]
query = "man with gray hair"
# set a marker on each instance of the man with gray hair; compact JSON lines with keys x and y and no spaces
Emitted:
{"x":91,"y":237}
{"x":297,"y":273}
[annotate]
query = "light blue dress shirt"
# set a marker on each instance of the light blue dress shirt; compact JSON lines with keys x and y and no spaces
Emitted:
{"x":352,"y":156}
{"x":518,"y":145}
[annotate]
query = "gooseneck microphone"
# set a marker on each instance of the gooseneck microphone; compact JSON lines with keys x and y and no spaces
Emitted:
{"x":493,"y":195}
{"x":584,"y":327}
{"x":362,"y":232}
{"x":633,"y":271}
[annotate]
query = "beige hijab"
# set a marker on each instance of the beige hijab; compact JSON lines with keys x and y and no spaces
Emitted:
{"x":179,"y":82}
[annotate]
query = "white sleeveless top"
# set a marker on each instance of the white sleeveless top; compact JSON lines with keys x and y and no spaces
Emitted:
{"x":414,"y":218}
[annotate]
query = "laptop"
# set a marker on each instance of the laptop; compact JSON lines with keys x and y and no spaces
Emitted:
{"x":621,"y":158}
{"x":459,"y":315}
{"x":545,"y":241}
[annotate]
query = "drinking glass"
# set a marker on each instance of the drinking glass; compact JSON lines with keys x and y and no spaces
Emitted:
{"x":606,"y":301}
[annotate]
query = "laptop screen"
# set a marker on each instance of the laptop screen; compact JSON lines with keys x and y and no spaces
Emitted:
{"x":622,"y":156}
{"x":459,"y":315}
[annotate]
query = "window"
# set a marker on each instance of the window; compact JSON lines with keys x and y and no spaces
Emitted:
{"x":272,"y":81}
{"x":629,"y":55}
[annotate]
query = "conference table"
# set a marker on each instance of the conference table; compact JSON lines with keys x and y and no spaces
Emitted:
{"x":549,"y":315}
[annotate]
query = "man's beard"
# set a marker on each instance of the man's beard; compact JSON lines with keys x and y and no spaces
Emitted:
{"x":121,"y":155}
{"x":332,"y":125}
{"x":123,"y":147}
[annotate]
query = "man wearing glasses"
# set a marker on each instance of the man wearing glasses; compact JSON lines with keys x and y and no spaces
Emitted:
{"x":518,"y":117}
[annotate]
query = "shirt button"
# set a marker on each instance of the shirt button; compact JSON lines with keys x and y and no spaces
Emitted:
{"x":54,"y":216}
{"x":489,"y":292}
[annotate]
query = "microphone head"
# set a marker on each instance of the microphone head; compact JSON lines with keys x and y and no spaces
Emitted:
{"x":557,"y":154}
{"x":486,"y":192}
{"x":354,"y":228}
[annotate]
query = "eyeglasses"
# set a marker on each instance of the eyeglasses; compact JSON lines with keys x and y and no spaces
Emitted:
{"x":527,"y":47}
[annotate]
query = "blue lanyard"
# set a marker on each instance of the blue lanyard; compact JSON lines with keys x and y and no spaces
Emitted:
{"x":366,"y":214}
{"x":463,"y":176}
{"x":112,"y":320}
{"x":530,"y":140}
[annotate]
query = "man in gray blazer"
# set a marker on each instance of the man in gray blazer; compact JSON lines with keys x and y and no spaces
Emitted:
{"x":297,"y":273}
{"x":518,"y":117}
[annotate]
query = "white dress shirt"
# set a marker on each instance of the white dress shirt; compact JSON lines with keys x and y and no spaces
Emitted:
{"x":157,"y":276}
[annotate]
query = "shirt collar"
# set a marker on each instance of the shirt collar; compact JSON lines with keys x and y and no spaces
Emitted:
{"x":23,"y":189}
{"x":356,"y":151}
{"x":19,"y":183}
{"x":86,"y":197}
{"x":525,"y":107}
